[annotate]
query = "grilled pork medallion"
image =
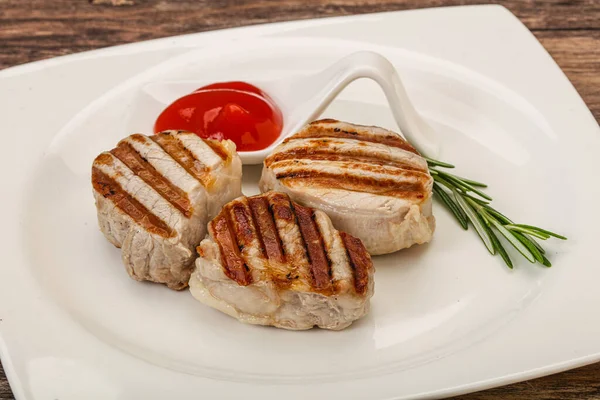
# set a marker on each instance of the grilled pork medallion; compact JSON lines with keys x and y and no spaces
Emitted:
{"x":270,"y":261}
{"x":371,"y":182}
{"x":155,"y":195}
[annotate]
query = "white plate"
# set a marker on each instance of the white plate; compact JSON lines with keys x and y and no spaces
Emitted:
{"x":447,"y":318}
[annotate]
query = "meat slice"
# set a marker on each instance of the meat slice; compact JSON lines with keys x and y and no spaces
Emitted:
{"x":155,"y":195}
{"x":370,"y":182}
{"x":270,"y":261}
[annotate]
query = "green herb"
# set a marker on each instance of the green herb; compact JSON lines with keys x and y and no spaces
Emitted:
{"x":470,"y":205}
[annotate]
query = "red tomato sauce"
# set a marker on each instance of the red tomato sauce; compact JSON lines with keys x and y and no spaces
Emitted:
{"x":226,"y":110}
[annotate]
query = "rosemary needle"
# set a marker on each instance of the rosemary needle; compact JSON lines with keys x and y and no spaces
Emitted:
{"x":470,"y":205}
{"x":451,"y":204}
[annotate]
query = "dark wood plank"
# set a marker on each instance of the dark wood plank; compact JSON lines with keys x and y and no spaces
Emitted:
{"x":580,"y":384}
{"x":36,"y":29}
{"x":577,"y":52}
{"x":39,"y":29}
{"x":5,"y":392}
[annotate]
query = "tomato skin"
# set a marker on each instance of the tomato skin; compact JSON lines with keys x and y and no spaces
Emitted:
{"x":226,"y":110}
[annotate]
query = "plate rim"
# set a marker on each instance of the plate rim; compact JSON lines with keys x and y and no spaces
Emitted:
{"x":11,"y":373}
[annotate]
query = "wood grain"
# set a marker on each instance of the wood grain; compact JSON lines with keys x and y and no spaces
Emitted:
{"x":580,"y":384}
{"x":5,"y":392}
{"x":36,"y":29}
{"x":578,"y":54}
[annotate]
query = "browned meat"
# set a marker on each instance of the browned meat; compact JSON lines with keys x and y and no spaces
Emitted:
{"x":371,"y":182}
{"x":270,"y":261}
{"x":155,"y":196}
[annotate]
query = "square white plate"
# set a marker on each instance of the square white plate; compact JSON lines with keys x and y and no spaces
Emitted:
{"x":446,"y":319}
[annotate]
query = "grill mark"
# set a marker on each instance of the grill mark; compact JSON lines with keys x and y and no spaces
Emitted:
{"x":233,"y":264}
{"x":359,"y":260}
{"x":138,"y":137}
{"x":218,"y":148}
{"x":103,"y":159}
{"x":363,"y":184}
{"x":142,"y":168}
{"x":317,"y":130}
{"x":281,"y":207}
{"x":266,"y":230}
{"x":111,"y":190}
{"x":320,"y":268}
{"x":320,"y":154}
{"x":352,"y":168}
{"x":242,"y":225}
{"x":184,"y":157}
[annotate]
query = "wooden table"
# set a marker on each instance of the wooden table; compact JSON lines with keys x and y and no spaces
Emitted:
{"x":35,"y":29}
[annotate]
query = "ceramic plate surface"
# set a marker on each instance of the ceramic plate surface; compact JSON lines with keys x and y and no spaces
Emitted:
{"x":446,"y":317}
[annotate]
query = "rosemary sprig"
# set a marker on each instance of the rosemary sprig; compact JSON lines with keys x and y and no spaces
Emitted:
{"x":470,"y":205}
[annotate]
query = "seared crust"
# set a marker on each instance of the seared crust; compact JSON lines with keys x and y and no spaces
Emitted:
{"x":256,"y":230}
{"x":142,"y":168}
{"x":318,"y":151}
{"x":331,"y":128}
{"x":371,"y":183}
{"x":219,"y":149}
{"x":319,"y":264}
{"x":331,"y":154}
{"x":366,"y":184}
{"x":171,"y":144}
{"x":267,"y":232}
{"x":361,"y":264}
{"x":154,"y":196}
{"x":183,"y":156}
{"x":232,"y":261}
{"x":112,"y":191}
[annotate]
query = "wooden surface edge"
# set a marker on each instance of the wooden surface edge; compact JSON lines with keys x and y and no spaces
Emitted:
{"x":37,"y":29}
